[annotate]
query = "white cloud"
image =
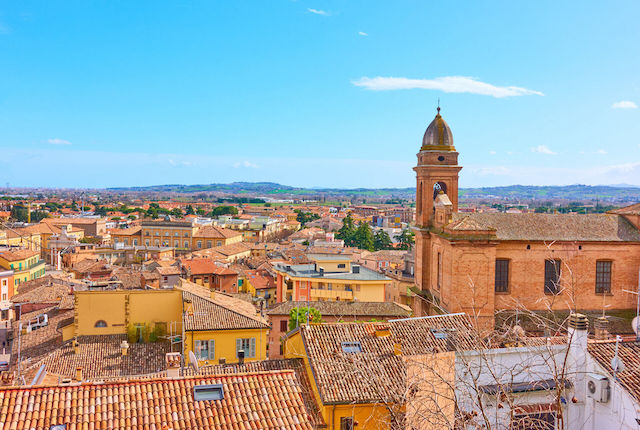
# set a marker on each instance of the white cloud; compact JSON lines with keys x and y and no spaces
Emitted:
{"x":57,"y":141}
{"x":492,"y":152}
{"x":362,"y":33}
{"x":246,"y":164}
{"x":543,"y":149}
{"x":448,"y":84}
{"x":624,"y":104}
{"x":318,"y":11}
{"x":601,"y":152}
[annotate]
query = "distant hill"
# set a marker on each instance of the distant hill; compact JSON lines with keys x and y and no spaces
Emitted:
{"x":617,"y":193}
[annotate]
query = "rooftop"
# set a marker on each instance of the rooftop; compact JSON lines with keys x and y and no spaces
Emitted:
{"x":309,"y":271}
{"x":347,"y":309}
{"x":249,"y":400}
{"x":548,"y":227}
{"x":629,"y":353}
{"x":18,"y":254}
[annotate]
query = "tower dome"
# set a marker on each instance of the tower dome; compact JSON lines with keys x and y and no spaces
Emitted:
{"x":438,"y":136}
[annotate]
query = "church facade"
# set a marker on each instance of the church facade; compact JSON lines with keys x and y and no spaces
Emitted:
{"x":487,"y":264}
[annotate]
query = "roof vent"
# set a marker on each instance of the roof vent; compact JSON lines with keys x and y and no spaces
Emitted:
{"x":578,"y":321}
{"x":208,"y":392}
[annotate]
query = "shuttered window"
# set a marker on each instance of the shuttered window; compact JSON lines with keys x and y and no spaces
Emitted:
{"x":247,"y":345}
{"x":603,"y":276}
{"x":205,"y":349}
{"x":502,"y":276}
{"x":552,"y":276}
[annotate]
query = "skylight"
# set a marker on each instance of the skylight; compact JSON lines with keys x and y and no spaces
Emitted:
{"x":208,"y":392}
{"x":351,"y":347}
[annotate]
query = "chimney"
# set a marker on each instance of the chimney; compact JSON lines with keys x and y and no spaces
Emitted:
{"x":173,"y":360}
{"x":241,"y":356}
{"x":577,"y":356}
{"x":78,"y":373}
{"x":75,"y":345}
{"x":601,"y":328}
{"x":382,"y":330}
{"x":124,"y":347}
{"x":222,"y":360}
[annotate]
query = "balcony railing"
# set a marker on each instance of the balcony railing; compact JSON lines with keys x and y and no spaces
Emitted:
{"x":331,"y":294}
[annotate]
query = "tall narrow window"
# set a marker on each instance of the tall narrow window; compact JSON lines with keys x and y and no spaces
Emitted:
{"x":502,"y":276}
{"x":419,"y":201}
{"x":439,"y":270}
{"x":346,"y":423}
{"x":552,"y":276}
{"x":603,"y":276}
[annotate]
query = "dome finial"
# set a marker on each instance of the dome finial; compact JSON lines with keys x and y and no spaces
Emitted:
{"x":438,"y":106}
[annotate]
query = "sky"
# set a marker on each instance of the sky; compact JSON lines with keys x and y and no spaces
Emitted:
{"x":316,"y":93}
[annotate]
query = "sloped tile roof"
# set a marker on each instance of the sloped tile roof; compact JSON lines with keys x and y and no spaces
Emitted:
{"x":295,"y":364}
{"x":629,"y":353}
{"x":212,"y":315}
{"x":213,"y":232}
{"x":549,"y":227}
{"x":18,"y":254}
{"x":347,"y":309}
{"x":627,"y":210}
{"x":376,"y":373}
{"x":265,"y":400}
{"x":101,"y":357}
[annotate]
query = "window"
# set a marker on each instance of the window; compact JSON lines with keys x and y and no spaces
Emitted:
{"x":157,"y":242}
{"x":342,"y":266}
{"x":439,"y":270}
{"x":219,"y":243}
{"x":199,"y":244}
{"x":209,"y":244}
{"x":284,"y":326}
{"x":552,"y":276}
{"x":135,"y":242}
{"x":186,"y":244}
{"x":166,"y":233}
{"x":186,"y":235}
{"x":208,"y":392}
{"x":346,"y":423}
{"x":502,"y":276}
{"x":603,"y":276}
{"x":351,"y":347}
{"x":157,"y":233}
{"x":176,"y":234}
{"x":248,"y":346}
{"x":100,"y":324}
{"x":205,"y":349}
{"x":146,"y":242}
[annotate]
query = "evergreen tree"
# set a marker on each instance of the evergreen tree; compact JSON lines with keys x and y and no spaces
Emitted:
{"x":406,"y":239}
{"x":363,"y":237}
{"x":381,"y":240}
{"x":189,"y":210}
{"x":347,"y":231}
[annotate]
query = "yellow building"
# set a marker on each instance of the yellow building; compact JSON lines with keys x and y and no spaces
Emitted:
{"x":214,"y":326}
{"x":366,"y":375}
{"x":23,"y":237}
{"x":329,"y":277}
{"x":179,"y":234}
{"x":26,"y":265}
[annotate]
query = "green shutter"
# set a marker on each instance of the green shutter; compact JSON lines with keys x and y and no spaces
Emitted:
{"x":252,"y":347}
{"x":238,"y":346}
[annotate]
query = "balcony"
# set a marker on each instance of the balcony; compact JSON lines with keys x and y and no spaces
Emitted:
{"x":331,"y":294}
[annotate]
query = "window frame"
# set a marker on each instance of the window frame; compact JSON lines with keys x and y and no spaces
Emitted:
{"x":249,"y":350}
{"x":347,"y":423}
{"x":501,"y":285}
{"x":551,"y":286}
{"x":603,"y":277}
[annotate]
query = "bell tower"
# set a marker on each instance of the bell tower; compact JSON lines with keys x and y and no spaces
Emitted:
{"x":437,"y":172}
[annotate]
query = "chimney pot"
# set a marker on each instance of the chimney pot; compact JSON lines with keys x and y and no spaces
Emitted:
{"x":241,"y":356}
{"x":79,"y":373}
{"x":601,"y":327}
{"x":397,"y":348}
{"x":124,"y":347}
{"x":578,"y":321}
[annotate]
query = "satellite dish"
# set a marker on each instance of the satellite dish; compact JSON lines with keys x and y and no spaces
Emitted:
{"x":193,"y":361}
{"x":617,"y":364}
{"x":635,"y":325}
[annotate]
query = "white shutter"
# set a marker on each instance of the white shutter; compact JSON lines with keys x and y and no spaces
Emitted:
{"x":212,"y":349}
{"x":238,"y":346}
{"x":252,"y":348}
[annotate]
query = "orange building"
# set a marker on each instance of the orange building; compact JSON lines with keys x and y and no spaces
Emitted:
{"x":481,"y":263}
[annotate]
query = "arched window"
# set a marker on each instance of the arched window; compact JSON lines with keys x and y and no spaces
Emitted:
{"x":100,"y":323}
{"x":437,"y":187}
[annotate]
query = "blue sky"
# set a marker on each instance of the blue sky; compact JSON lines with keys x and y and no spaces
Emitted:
{"x":316,"y":93}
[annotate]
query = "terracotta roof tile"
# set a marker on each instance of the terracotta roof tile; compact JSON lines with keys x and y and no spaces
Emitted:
{"x":336,"y":372}
{"x":266,"y":400}
{"x":548,"y":227}
{"x":209,"y":314}
{"x":18,"y":254}
{"x":629,"y":353}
